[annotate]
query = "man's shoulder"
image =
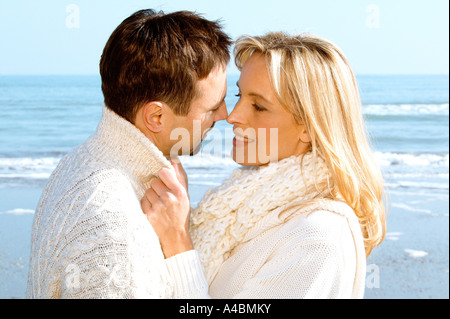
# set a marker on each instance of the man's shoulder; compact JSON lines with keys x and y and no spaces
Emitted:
{"x":82,"y":183}
{"x":84,"y":194}
{"x":80,"y":169}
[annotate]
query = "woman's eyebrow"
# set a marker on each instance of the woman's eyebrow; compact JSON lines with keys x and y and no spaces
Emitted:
{"x":253,"y":94}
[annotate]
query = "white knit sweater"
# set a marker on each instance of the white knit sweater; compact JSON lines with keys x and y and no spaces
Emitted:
{"x":90,"y":238}
{"x":311,"y":256}
{"x":267,"y":232}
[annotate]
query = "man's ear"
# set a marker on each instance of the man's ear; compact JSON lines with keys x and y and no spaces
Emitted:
{"x":151,"y":116}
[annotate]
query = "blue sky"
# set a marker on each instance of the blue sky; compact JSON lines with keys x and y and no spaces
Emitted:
{"x":378,"y":36}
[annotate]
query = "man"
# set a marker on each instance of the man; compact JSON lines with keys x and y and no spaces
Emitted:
{"x":90,"y":239}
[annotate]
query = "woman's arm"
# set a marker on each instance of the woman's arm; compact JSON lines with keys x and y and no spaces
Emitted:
{"x":166,"y":205}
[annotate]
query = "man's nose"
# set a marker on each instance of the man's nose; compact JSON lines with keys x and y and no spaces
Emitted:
{"x":222,"y":113}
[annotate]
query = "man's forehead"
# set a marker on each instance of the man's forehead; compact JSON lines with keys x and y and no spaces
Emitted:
{"x":217,"y":77}
{"x":213,"y":88}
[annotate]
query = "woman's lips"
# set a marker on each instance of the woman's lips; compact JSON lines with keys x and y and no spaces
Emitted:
{"x":239,"y":140}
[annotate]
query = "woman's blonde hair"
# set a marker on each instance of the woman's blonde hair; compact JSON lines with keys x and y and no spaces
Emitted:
{"x":314,"y":81}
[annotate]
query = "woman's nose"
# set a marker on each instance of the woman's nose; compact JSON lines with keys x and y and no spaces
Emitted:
{"x":237,"y":115}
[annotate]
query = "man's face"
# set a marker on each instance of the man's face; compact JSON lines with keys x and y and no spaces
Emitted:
{"x":187,"y":132}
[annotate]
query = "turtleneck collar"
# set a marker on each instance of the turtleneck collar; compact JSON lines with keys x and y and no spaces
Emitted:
{"x":120,"y":143}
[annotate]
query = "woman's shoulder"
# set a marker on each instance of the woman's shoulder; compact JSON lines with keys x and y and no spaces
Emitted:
{"x":332,"y":211}
{"x":325,"y":222}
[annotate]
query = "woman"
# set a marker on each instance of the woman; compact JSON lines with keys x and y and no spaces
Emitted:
{"x":299,"y":222}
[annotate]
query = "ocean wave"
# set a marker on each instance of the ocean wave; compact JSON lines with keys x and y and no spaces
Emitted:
{"x":38,"y":167}
{"x":27,"y":167}
{"x":439,"y":188}
{"x":401,"y":170}
{"x":212,"y":161}
{"x":423,"y":185}
{"x":406,"y":109}
{"x":26,"y":175}
{"x":410,"y":159}
{"x":415,"y":171}
{"x":14,"y":163}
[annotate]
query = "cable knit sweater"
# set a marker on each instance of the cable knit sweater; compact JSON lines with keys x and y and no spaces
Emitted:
{"x":90,"y":238}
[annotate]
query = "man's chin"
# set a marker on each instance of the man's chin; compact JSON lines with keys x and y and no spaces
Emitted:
{"x":191,"y":152}
{"x":196,"y":150}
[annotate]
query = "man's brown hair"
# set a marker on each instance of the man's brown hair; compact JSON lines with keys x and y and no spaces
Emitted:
{"x":152,"y":56}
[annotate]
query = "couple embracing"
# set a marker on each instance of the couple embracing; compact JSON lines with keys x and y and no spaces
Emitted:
{"x":115,"y":220}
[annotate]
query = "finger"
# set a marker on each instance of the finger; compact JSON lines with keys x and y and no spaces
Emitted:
{"x":159,"y":187}
{"x":170,"y":180}
{"x":151,"y":196}
{"x":181,"y":176}
{"x":146,"y":206}
{"x":177,"y":172}
{"x":163,"y":195}
{"x":156,"y":202}
{"x":175,"y":160}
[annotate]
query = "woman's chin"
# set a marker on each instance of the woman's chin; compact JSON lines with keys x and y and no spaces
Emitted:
{"x":241,"y":157}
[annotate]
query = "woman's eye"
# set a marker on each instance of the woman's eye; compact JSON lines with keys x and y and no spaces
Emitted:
{"x":255,"y":106}
{"x":258,"y":108}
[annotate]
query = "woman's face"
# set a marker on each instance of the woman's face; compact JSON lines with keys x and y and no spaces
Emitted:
{"x":264,"y":131}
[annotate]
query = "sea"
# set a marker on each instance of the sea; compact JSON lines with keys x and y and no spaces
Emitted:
{"x":44,"y":117}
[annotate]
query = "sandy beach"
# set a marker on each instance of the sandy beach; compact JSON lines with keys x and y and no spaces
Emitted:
{"x":413,"y":259}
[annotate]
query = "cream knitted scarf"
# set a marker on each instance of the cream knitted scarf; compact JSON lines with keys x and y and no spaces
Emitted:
{"x":253,"y":200}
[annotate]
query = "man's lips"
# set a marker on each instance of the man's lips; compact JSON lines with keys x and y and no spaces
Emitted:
{"x":205,"y":133}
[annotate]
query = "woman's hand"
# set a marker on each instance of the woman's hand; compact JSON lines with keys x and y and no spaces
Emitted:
{"x":166,"y":205}
{"x":180,"y":172}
